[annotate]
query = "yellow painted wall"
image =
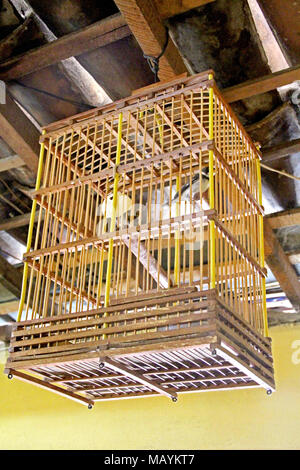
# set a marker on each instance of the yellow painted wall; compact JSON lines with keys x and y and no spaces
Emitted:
{"x":31,"y":418}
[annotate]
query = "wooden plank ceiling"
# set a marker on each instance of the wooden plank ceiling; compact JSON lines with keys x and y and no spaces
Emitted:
{"x":108,"y":42}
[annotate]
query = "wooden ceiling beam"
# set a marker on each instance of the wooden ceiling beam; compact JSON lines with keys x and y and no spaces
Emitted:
{"x":283,"y":18}
{"x":98,"y":34}
{"x":271,"y":154}
{"x":19,"y":133}
{"x":5,"y":332}
{"x":294,"y":256}
{"x":261,"y":85}
{"x":146,"y":24}
{"x":168,"y":8}
{"x":11,"y":162}
{"x":18,"y":221}
{"x":10,"y":277}
{"x":280,"y":266}
{"x":8,"y":307}
{"x":285,"y":218}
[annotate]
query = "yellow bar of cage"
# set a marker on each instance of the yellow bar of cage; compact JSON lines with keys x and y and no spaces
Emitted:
{"x":113,"y":218}
{"x":212,"y":228}
{"x":177,"y":241}
{"x":262,"y":249}
{"x":177,"y":234}
{"x":30,"y":229}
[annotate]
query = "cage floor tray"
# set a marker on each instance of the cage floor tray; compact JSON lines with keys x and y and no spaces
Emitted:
{"x":200,"y":346}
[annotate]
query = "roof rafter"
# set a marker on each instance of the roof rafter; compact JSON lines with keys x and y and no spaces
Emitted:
{"x":285,"y":218}
{"x":281,"y":267}
{"x":98,"y":34}
{"x":145,"y":22}
{"x":19,"y":133}
{"x":284,"y":149}
{"x":261,"y":84}
{"x":168,"y":8}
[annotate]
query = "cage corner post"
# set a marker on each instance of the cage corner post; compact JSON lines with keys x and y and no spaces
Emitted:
{"x":113,"y":216}
{"x":212,"y":226}
{"x":261,"y":250}
{"x":30,"y":229}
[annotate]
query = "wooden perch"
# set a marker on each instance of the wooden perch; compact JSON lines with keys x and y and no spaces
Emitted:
{"x":148,"y":261}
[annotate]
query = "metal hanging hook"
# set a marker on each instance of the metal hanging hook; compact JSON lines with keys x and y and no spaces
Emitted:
{"x":153,"y":62}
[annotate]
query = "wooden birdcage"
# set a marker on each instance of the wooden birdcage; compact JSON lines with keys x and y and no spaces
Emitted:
{"x":145,"y":272}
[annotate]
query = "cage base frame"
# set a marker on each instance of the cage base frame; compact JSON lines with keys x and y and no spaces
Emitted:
{"x":224,"y":353}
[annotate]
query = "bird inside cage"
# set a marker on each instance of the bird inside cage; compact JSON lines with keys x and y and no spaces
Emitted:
{"x":128,"y":212}
{"x":184,"y":201}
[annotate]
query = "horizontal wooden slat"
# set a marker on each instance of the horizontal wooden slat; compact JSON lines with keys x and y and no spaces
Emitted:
{"x":142,"y":314}
{"x":225,"y":316}
{"x":256,"y":359}
{"x":91,"y":354}
{"x":244,"y":324}
{"x":140,"y":231}
{"x":124,"y":169}
{"x":111,"y":330}
{"x":241,"y":363}
{"x":115,"y":342}
{"x":160,"y":298}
